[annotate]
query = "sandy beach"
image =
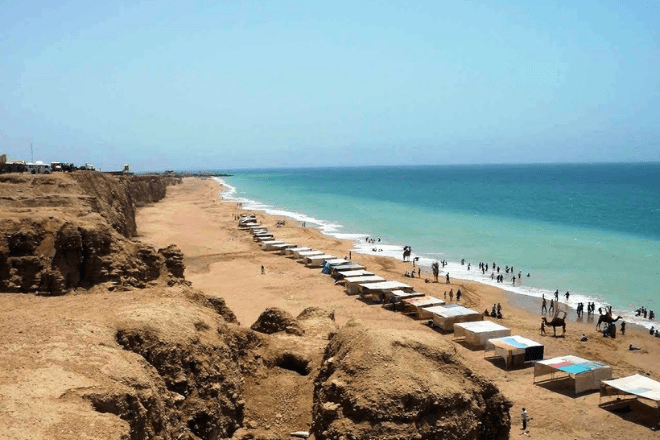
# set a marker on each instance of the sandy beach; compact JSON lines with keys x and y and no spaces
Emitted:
{"x":223,"y":261}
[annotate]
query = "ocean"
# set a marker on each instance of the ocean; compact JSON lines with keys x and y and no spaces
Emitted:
{"x":590,"y":229}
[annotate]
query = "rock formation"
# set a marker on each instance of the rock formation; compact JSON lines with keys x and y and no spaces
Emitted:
{"x":385,"y":384}
{"x":63,"y":231}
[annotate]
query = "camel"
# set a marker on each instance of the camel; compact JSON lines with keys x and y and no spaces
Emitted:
{"x":407,"y":250}
{"x":606,"y":318}
{"x":556,"y":322}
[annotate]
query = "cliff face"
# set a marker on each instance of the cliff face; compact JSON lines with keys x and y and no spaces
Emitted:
{"x":63,"y":231}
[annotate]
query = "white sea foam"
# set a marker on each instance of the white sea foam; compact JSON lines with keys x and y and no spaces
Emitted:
{"x":455,"y":269}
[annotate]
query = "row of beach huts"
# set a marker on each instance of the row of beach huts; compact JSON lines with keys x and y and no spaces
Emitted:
{"x":467,"y":324}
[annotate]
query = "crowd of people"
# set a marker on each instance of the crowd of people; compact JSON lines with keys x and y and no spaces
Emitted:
{"x":645,"y":313}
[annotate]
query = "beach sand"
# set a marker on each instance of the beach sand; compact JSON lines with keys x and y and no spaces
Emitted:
{"x":223,"y":261}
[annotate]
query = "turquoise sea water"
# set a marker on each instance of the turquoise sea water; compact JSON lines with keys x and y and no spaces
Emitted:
{"x":591,"y":229}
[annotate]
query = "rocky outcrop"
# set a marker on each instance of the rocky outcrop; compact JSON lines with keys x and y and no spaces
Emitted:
{"x":204,"y":379}
{"x":60,"y":232}
{"x":387,"y":385}
{"x":173,"y":260}
{"x":274,"y":320}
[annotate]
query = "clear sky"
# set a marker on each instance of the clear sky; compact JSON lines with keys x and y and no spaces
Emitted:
{"x":222,"y":85}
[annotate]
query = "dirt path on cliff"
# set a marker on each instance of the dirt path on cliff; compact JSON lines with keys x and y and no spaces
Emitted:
{"x":223,"y":261}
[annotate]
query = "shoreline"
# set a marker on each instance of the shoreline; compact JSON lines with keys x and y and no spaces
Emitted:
{"x":223,"y":261}
{"x":328,"y":228}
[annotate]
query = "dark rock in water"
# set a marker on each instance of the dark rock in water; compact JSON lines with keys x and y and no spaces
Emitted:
{"x":274,"y":320}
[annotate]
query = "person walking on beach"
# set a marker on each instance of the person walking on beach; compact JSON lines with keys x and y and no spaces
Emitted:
{"x":447,"y":277}
{"x":567,"y":295}
{"x":524,"y":416}
{"x":552,"y":305}
{"x":544,"y":308}
{"x":451,"y":294}
{"x":263,"y":270}
{"x":458,"y":295}
{"x":557,"y":295}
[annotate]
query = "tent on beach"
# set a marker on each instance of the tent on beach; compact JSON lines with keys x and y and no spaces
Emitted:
{"x":375,"y":290}
{"x":264,"y":237}
{"x":515,"y":350}
{"x":419,"y":305}
{"x":400,"y":295}
{"x":586,"y":374}
{"x":637,"y":386}
{"x":478,"y":332}
{"x":446,"y":316}
{"x":317,"y":260}
{"x":351,"y":273}
{"x":280,"y":247}
{"x":352,"y":283}
{"x":329,"y":264}
{"x":303,"y":254}
{"x":293,"y":250}
{"x":337,"y":270}
{"x":268,"y":244}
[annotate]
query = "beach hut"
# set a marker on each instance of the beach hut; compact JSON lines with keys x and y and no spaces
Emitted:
{"x":281,"y":247}
{"x":267,"y":245}
{"x":398,"y":295}
{"x":329,"y":264}
{"x":478,"y":332}
{"x":304,"y":254}
{"x":636,"y":387}
{"x":317,"y":260}
{"x":515,"y":350}
{"x":293,"y":250}
{"x":585,"y":374}
{"x":336,"y":262}
{"x":351,"y":273}
{"x":264,"y":237}
{"x":345,"y":267}
{"x":352,"y":283}
{"x":418,"y":305}
{"x":446,"y":316}
{"x":248,"y":225}
{"x":382,"y":289}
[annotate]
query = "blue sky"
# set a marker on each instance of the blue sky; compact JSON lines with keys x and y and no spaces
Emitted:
{"x":222,"y":85}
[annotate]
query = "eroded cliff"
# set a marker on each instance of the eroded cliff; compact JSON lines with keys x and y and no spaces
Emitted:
{"x":63,"y":231}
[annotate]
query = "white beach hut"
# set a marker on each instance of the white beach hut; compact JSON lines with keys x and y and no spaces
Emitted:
{"x":446,"y":316}
{"x":317,"y":260}
{"x":352,"y":273}
{"x":352,"y":283}
{"x":635,"y":387}
{"x":346,"y":267}
{"x":383,"y":288}
{"x":585,"y":374}
{"x":478,"y":332}
{"x":293,"y":250}
{"x":304,"y":254}
{"x":281,"y":247}
{"x":515,"y":350}
{"x":418,"y":306}
{"x":267,"y":245}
